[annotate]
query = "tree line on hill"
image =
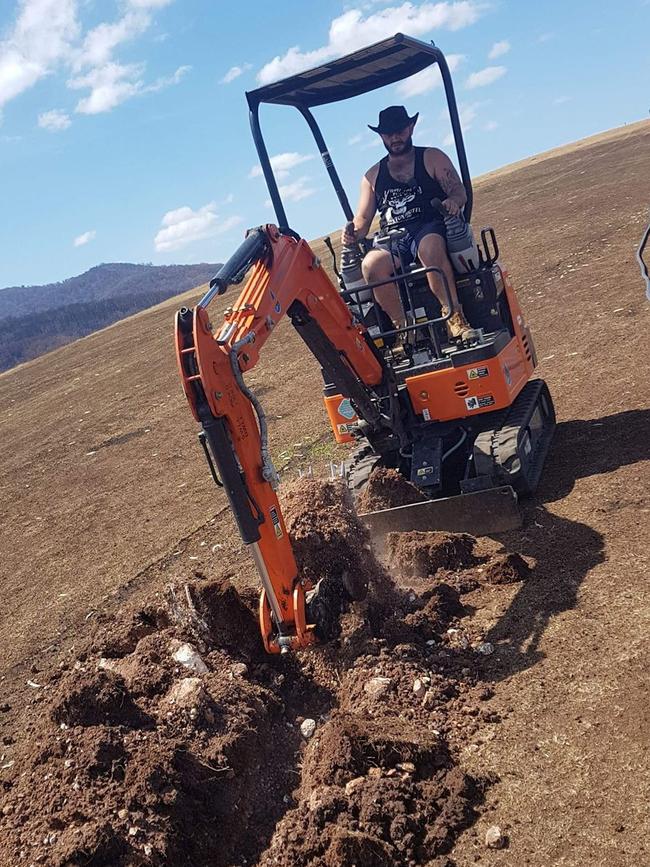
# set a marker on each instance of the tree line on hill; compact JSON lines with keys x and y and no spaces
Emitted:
{"x":37,"y":319}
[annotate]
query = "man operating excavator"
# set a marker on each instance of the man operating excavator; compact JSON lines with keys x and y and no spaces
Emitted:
{"x":401,"y":187}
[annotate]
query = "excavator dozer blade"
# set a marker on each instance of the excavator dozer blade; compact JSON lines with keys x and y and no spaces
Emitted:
{"x":480,"y":513}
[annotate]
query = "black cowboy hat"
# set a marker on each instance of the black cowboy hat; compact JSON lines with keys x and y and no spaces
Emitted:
{"x":393,"y":119}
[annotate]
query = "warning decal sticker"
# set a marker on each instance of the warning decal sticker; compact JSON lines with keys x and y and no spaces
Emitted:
{"x":275,"y":519}
{"x":479,"y":402}
{"x":477,"y":372}
{"x":346,"y":409}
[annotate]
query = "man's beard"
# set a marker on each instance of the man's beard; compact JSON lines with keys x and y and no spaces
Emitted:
{"x":401,"y":149}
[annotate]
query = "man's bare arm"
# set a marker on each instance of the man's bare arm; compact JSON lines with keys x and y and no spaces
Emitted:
{"x":365,"y":212}
{"x":447,"y":176}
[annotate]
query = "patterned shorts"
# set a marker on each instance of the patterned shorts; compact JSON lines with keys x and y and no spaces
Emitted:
{"x":408,"y":245}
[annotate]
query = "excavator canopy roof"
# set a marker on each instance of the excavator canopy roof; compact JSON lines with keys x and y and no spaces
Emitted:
{"x":383,"y":63}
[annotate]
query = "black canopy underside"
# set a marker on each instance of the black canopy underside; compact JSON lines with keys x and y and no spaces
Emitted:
{"x":376,"y":66}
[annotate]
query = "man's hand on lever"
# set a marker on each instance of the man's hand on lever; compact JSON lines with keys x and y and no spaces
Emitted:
{"x":349,"y":235}
{"x":452,"y":207}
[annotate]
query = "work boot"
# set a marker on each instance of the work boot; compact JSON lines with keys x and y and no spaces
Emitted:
{"x":457,"y":325}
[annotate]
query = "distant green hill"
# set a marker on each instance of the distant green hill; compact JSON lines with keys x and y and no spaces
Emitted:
{"x":36,"y":319}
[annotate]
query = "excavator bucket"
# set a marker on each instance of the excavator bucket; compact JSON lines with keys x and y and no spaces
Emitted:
{"x":480,"y":513}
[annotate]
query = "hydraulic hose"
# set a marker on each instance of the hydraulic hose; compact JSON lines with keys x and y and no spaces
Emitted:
{"x":269,"y":473}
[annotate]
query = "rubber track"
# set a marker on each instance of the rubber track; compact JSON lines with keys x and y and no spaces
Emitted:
{"x":504,"y":446}
{"x":359,"y":467}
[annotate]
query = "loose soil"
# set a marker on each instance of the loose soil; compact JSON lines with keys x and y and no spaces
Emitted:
{"x":387,"y":489}
{"x":132,"y":757}
{"x":106,"y":500}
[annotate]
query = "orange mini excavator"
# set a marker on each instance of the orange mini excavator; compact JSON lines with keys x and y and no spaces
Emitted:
{"x":459,"y":418}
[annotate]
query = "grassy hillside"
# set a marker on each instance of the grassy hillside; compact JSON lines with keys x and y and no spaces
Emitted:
{"x":36,"y":319}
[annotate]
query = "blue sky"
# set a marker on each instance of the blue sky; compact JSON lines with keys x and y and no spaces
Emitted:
{"x":124,"y":129}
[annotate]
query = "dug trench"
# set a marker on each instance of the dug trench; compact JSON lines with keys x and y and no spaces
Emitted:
{"x":170,"y":738}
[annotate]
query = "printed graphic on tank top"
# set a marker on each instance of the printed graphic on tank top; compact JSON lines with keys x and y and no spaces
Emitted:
{"x":406,"y":203}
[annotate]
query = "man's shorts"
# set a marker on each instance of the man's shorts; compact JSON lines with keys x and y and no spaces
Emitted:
{"x":409,"y":243}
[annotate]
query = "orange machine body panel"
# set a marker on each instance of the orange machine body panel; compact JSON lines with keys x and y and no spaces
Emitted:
{"x":482,"y":386}
{"x":458,"y":392}
{"x":342,"y":416}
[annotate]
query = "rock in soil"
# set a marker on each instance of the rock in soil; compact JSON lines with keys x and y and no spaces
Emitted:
{"x":187,"y":656}
{"x":486,"y":648}
{"x":494,"y":838}
{"x":378,"y":686}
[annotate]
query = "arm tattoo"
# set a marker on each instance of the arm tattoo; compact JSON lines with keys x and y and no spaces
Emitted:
{"x":452,"y":184}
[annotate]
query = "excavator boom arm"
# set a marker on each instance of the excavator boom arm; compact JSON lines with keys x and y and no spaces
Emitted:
{"x":286,"y":279}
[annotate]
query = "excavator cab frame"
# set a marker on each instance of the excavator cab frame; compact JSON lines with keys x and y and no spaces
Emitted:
{"x":368,"y":69}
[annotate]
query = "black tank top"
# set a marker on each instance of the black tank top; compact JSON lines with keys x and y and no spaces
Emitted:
{"x":401,"y":204}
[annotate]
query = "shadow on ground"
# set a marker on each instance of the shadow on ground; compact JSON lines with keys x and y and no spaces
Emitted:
{"x":589,"y":447}
{"x":565,"y":551}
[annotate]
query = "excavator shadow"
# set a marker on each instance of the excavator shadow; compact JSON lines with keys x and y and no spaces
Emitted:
{"x":589,"y":447}
{"x":565,"y":550}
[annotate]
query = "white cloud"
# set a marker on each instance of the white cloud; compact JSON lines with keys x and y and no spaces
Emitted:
{"x":46,"y":35}
{"x":499,"y":49}
{"x":353,"y":30}
{"x":100,"y":42}
{"x":545,"y":37}
{"x":429,"y":78}
{"x":183,"y":226}
{"x":356,"y":139}
{"x":54,"y":120}
{"x":491,"y":125}
{"x":167,"y":80}
{"x":374,"y":141}
{"x":295,"y":191}
{"x":234,"y":72}
{"x":40,"y":39}
{"x":114,"y":83}
{"x":282,"y":164}
{"x":560,"y":100}
{"x":109,"y":86}
{"x":485,"y":76}
{"x":80,"y":240}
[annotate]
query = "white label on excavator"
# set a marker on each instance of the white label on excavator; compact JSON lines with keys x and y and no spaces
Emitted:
{"x":275,"y":520}
{"x":426,"y":415}
{"x":479,"y":402}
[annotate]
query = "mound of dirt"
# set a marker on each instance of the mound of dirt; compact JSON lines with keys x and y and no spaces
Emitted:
{"x":387,"y":489}
{"x":419,"y":555}
{"x":374,"y":793}
{"x":506,"y":569}
{"x":171,"y":739}
{"x":329,"y":541}
{"x":138,"y":758}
